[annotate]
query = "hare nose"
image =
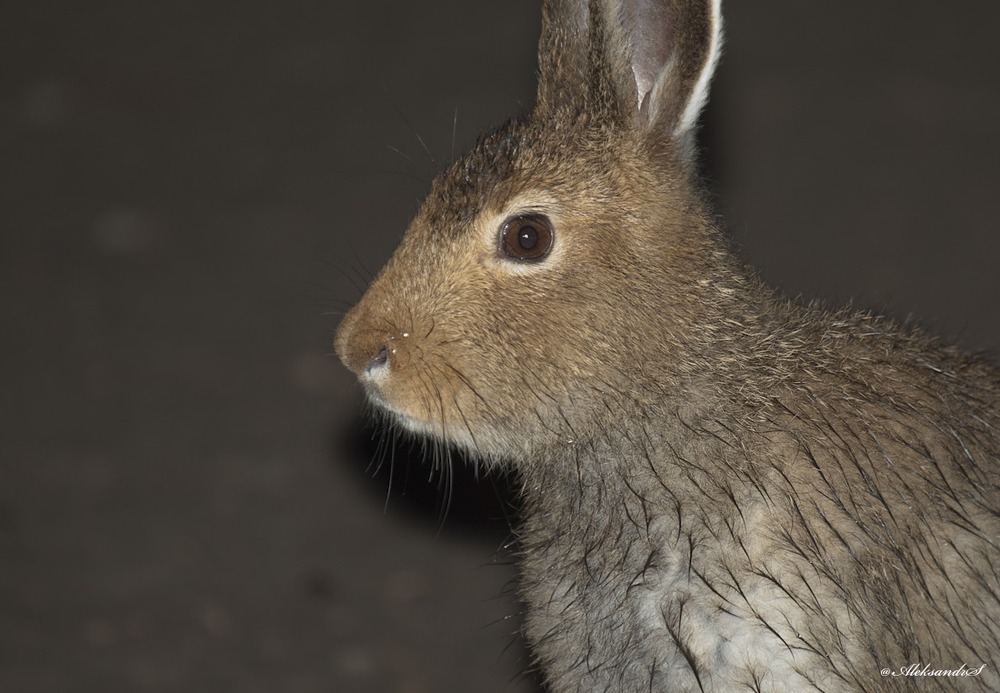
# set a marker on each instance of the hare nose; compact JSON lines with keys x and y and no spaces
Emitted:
{"x":378,"y":361}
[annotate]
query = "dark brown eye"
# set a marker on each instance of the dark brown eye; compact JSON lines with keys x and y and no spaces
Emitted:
{"x":527,"y":237}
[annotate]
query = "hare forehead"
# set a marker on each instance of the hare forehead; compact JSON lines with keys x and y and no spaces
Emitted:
{"x":518,"y":157}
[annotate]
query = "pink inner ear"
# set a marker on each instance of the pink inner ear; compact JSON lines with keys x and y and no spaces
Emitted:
{"x":644,"y":92}
{"x":648,"y":28}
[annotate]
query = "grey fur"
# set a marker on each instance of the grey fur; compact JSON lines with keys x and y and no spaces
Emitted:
{"x":723,"y":490}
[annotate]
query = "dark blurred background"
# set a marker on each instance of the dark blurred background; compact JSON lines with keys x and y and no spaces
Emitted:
{"x":191,"y":195}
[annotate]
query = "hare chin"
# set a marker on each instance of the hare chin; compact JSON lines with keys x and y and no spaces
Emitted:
{"x":443,"y":431}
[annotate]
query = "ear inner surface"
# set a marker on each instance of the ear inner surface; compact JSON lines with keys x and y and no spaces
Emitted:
{"x":643,"y":21}
{"x":674,"y":48}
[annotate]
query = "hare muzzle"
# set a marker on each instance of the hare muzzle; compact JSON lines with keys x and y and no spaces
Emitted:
{"x":372,"y":354}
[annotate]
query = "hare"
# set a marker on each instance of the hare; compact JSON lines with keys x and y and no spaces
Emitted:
{"x":723,"y":490}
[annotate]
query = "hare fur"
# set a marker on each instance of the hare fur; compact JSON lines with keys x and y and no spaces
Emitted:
{"x":723,"y":489}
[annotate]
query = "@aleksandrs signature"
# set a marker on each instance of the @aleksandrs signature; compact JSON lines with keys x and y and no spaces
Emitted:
{"x":929,"y":671}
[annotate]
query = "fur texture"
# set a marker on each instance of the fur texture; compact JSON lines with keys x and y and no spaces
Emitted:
{"x":723,"y":490}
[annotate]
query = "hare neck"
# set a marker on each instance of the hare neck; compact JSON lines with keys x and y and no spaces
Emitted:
{"x":605,"y":490}
{"x":613,"y":534}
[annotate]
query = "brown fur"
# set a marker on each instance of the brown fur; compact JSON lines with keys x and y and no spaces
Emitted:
{"x":708,"y":469}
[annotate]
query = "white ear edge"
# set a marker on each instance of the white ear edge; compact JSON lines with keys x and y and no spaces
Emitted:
{"x":699,"y":95}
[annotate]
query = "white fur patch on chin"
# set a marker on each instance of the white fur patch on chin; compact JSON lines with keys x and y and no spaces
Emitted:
{"x":444,"y":432}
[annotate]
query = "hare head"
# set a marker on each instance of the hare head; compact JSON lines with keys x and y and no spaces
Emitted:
{"x":567,"y":263}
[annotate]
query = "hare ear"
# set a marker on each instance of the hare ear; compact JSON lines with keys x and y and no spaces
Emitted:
{"x":644,"y":62}
{"x":674,"y":48}
{"x":564,"y":56}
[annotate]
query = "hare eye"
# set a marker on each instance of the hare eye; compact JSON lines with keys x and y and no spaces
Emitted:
{"x":527,"y":237}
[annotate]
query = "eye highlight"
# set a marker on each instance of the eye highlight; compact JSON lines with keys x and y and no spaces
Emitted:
{"x":526,"y":237}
